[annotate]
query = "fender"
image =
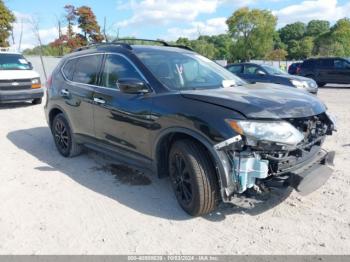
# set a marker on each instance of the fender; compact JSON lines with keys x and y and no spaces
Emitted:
{"x":221,"y":160}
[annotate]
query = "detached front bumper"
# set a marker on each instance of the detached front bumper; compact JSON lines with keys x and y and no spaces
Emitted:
{"x":21,"y":95}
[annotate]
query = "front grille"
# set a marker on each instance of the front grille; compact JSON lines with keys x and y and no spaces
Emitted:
{"x":15,"y":84}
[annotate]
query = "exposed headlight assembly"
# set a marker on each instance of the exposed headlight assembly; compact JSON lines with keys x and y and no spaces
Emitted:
{"x":274,"y":131}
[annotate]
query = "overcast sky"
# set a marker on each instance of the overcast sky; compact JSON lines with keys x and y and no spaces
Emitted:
{"x":166,"y":19}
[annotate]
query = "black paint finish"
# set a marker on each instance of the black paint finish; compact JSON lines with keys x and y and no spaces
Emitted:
{"x":138,"y":126}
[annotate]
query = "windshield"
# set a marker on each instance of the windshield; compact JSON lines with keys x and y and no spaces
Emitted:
{"x":273,"y":70}
{"x":180,"y":71}
{"x":13,"y":62}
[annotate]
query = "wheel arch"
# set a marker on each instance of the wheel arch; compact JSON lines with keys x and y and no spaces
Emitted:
{"x":163,"y":144}
{"x":54,"y":111}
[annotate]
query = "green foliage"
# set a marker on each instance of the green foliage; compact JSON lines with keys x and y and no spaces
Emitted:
{"x":6,"y":20}
{"x":295,"y":31}
{"x":316,"y":28}
{"x":277,"y":55}
{"x":252,"y":32}
{"x":336,"y":41}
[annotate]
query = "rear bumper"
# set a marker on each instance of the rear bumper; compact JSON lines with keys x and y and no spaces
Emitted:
{"x":21,"y":95}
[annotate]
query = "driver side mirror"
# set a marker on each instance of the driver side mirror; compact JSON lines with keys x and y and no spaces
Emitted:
{"x":132,"y":86}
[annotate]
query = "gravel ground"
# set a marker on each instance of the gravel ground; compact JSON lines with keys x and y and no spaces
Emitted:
{"x":88,"y":205}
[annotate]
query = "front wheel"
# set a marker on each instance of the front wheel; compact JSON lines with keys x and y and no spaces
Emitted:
{"x":321,"y":84}
{"x":193,"y":178}
{"x":64,"y":140}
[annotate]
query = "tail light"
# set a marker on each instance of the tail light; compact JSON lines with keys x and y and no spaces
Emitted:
{"x":49,"y":82}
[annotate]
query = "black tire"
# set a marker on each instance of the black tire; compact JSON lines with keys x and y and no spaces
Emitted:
{"x":321,"y":84}
{"x":64,"y":140}
{"x":37,"y":101}
{"x":193,"y":178}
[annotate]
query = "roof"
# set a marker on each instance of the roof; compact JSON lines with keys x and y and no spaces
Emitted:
{"x":123,"y":48}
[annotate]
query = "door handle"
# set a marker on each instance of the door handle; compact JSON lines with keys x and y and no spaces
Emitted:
{"x":99,"y":101}
{"x":65,"y":93}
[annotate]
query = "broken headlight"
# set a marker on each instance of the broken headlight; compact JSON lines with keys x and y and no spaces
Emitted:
{"x":274,"y":131}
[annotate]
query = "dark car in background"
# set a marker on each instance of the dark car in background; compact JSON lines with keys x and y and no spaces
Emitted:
{"x":179,"y":114}
{"x":324,"y":71}
{"x":294,"y":69}
{"x":255,"y":73}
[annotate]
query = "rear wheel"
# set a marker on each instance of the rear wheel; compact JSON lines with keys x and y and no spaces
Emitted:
{"x":64,"y":140}
{"x":37,"y":101}
{"x":193,"y":178}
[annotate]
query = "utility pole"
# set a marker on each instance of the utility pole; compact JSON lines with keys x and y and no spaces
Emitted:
{"x":20,"y":37}
{"x":104,"y":29}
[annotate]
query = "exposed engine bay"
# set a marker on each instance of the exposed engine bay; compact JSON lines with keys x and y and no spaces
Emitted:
{"x":256,"y":162}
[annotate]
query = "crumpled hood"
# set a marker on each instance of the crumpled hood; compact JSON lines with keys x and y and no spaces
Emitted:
{"x":261,"y":101}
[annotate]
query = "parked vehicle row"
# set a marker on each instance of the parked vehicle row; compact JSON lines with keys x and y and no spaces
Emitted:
{"x":183,"y":116}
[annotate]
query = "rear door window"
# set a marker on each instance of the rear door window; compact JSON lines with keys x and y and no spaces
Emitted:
{"x":327,"y":63}
{"x":251,"y":69}
{"x":87,"y":69}
{"x":236,"y":69}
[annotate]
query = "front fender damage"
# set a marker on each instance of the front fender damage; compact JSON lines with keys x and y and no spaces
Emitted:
{"x":251,"y":169}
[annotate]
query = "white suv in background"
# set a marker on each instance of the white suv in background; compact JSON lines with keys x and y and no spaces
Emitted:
{"x":18,"y":80}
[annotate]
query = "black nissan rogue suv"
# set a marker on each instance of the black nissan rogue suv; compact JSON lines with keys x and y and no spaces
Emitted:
{"x":177,"y":113}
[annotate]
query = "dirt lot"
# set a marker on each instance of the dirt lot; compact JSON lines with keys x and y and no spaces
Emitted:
{"x":85,"y":205}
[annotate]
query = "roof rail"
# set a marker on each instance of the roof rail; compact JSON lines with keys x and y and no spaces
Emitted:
{"x":121,"y":43}
{"x":119,"y":40}
{"x":164,"y":43}
{"x":124,"y":45}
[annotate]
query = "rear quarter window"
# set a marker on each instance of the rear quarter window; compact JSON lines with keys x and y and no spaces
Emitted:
{"x":68,"y":69}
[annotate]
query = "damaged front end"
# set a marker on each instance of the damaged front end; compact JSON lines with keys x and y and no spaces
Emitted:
{"x":277,"y":153}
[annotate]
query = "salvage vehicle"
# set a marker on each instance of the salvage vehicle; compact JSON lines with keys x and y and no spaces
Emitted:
{"x":170,"y":110}
{"x":18,"y":80}
{"x":255,"y":73}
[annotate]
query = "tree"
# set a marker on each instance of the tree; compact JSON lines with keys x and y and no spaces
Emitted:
{"x":252,"y":32}
{"x":71,"y":17}
{"x":88,"y":24}
{"x":336,"y":41}
{"x":341,"y":34}
{"x":223,"y":45}
{"x":277,"y":55}
{"x":6,"y":20}
{"x":295,"y":31}
{"x":316,"y":28}
{"x":204,"y":48}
